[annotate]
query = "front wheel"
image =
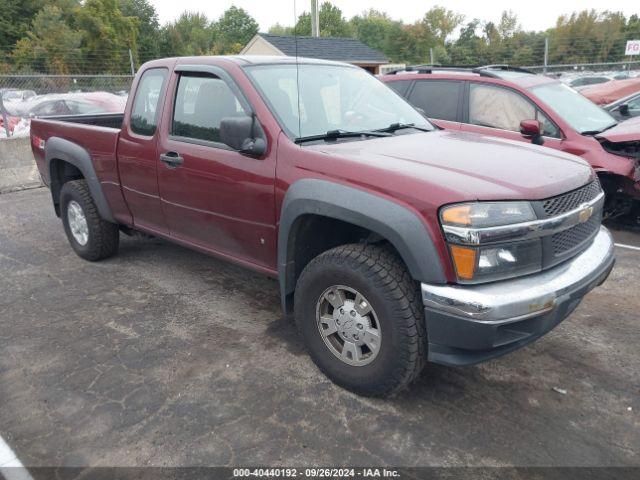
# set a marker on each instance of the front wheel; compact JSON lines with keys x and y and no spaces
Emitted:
{"x":90,"y":236}
{"x":361,"y":319}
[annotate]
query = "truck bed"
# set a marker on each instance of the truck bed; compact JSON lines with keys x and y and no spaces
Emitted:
{"x":110,"y":120}
{"x":96,"y":134}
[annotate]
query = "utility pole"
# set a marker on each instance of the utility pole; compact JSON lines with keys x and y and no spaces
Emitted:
{"x":133,"y":68}
{"x":431,"y":54}
{"x":546,"y":55}
{"x":315,"y":20}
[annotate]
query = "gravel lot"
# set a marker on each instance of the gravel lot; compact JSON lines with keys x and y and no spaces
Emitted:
{"x":163,"y":356}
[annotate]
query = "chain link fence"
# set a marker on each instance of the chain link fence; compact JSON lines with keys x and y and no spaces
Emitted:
{"x":47,"y":84}
{"x":630,"y":67}
{"x":24,"y":96}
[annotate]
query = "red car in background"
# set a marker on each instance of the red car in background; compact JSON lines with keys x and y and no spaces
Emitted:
{"x":56,"y":104}
{"x":517,"y":104}
{"x":606,"y":93}
{"x":83,"y":103}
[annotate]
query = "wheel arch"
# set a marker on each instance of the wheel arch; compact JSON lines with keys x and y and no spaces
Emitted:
{"x":64,"y":161}
{"x":372,"y":218}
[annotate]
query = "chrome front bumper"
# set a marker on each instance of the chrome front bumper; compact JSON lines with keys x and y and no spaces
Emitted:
{"x":470,"y":323}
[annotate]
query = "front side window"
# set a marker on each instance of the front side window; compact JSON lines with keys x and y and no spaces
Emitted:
{"x":579,"y":112}
{"x":311,"y":100}
{"x":144,"y":114}
{"x":549,"y":129}
{"x":438,"y":99}
{"x":498,"y":107}
{"x":201,"y":104}
{"x":634,"y":103}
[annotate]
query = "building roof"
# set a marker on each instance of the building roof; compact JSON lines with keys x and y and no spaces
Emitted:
{"x":326,"y":48}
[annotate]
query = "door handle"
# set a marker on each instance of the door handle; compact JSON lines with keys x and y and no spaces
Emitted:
{"x":171,"y":159}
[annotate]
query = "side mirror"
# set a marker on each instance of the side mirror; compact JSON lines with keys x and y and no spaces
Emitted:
{"x":240,"y":134}
{"x":532,"y":129}
{"x":624,"y":109}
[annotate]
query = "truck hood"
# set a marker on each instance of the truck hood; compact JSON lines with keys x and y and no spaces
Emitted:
{"x":468,"y":165}
{"x":627,"y":131}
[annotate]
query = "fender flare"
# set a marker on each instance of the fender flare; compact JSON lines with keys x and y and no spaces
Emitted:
{"x":57,"y":148}
{"x":394,"y":222}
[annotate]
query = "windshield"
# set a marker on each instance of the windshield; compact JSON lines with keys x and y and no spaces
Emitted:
{"x":579,"y":112}
{"x":332,"y":98}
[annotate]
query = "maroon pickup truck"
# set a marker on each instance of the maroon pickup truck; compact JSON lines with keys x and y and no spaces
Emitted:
{"x":394,"y":242}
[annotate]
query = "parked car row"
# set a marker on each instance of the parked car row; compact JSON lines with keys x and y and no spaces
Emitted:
{"x":19,"y":109}
{"x":585,"y":80}
{"x":517,"y":104}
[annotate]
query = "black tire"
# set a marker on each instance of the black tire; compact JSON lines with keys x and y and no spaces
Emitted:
{"x":103,"y":238}
{"x":380,"y":276}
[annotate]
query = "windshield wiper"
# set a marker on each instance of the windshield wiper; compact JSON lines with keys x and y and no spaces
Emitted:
{"x":595,"y":132}
{"x":399,"y":126}
{"x":335,"y":134}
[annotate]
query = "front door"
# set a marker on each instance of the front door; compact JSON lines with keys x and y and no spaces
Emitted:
{"x":214,"y":197}
{"x":137,"y":152}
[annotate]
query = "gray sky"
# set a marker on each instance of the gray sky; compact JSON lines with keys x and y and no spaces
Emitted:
{"x":533,"y":15}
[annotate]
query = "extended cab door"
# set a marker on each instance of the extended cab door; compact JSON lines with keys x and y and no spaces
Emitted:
{"x":497,"y":111}
{"x":441,"y":100}
{"x":137,"y":151}
{"x":214,"y":197}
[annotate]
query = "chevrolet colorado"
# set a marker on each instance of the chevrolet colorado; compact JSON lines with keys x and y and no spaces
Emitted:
{"x":394,"y":242}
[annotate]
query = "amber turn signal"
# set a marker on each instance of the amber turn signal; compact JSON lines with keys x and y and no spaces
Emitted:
{"x":457,"y":215}
{"x":464,"y":260}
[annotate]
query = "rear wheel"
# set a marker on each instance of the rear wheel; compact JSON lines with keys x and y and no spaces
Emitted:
{"x":90,"y":236}
{"x":360,"y":316}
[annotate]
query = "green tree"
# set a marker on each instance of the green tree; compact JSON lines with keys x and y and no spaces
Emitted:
{"x":588,"y":36}
{"x":398,"y":45}
{"x":190,"y":34}
{"x":332,"y":23}
{"x":107,"y":35}
{"x":50,"y":46}
{"x":508,"y":25}
{"x":632,"y":28}
{"x":278,"y":29}
{"x":15,"y":19}
{"x":441,"y":22}
{"x":470,"y":48}
{"x":233,"y":30}
{"x":16,"y":16}
{"x":148,"y":33}
{"x":372,"y":28}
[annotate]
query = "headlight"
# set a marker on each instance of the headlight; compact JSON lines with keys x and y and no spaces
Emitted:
{"x":495,"y":261}
{"x":487,"y":214}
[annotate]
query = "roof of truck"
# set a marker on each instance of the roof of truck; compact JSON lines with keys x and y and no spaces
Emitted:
{"x":242,"y":60}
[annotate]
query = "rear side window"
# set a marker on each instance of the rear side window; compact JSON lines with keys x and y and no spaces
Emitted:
{"x":144,"y":115}
{"x":400,"y":87}
{"x":497,"y":107}
{"x":201,"y":104}
{"x":438,"y":99}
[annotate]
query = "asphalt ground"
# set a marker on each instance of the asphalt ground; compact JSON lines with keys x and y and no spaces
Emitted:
{"x":163,"y":356}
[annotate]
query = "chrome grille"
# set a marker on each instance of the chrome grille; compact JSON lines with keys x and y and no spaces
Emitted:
{"x":569,"y":201}
{"x":575,"y":236}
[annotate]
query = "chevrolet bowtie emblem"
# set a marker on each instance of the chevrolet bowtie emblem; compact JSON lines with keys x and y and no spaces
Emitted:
{"x":585,"y":214}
